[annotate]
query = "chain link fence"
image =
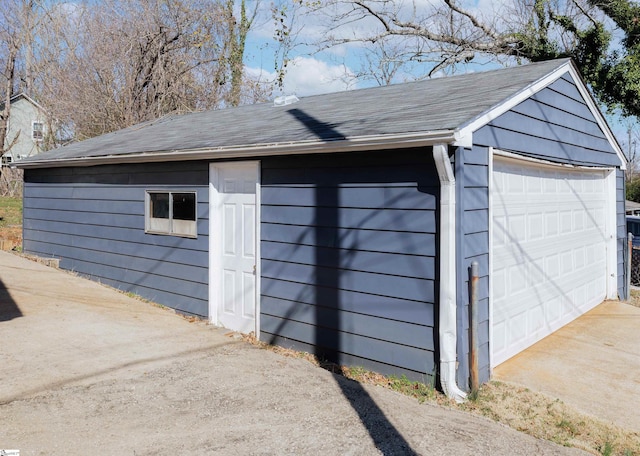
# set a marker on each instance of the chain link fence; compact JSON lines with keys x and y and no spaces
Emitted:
{"x":635,"y":266}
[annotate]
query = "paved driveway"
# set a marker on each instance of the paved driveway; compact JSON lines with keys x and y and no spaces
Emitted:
{"x":85,"y":370}
{"x":592,"y":364}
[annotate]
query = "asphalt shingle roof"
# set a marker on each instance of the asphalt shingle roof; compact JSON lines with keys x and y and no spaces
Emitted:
{"x":432,"y":105}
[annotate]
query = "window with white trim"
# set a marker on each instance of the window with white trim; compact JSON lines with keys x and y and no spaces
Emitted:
{"x":37,"y":130}
{"x":171,"y":213}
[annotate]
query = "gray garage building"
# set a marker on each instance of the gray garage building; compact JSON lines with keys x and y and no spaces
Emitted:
{"x":345,"y":224}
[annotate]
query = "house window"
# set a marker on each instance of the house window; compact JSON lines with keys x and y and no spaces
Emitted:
{"x":37,"y":130}
{"x":172,"y":213}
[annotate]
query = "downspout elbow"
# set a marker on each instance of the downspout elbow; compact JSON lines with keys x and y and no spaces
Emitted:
{"x":447,"y":257}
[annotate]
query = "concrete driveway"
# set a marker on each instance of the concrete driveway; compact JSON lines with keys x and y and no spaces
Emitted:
{"x":592,"y":364}
{"x":86,"y":370}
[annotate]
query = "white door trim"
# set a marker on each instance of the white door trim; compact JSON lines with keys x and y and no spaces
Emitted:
{"x":612,"y":232}
{"x":215,"y":228}
{"x":490,"y":212}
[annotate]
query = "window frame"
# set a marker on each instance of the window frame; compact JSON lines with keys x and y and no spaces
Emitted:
{"x":33,"y":130}
{"x":172,"y":227}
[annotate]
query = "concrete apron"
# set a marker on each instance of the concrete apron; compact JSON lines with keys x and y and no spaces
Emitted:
{"x":592,"y":364}
{"x":77,"y":331}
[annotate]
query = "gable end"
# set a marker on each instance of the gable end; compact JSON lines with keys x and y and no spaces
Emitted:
{"x":555,"y":123}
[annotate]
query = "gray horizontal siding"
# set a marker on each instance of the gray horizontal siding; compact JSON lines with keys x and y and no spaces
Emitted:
{"x":621,"y":222}
{"x":344,"y":238}
{"x":373,"y":327}
{"x":354,"y":260}
{"x":350,"y":301}
{"x":92,"y":219}
{"x":392,"y":285}
{"x":472,"y":212}
{"x":348,"y":247}
{"x":380,"y":219}
{"x":554,"y":124}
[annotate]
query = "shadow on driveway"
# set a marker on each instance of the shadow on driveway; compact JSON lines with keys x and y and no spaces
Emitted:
{"x":8,"y":307}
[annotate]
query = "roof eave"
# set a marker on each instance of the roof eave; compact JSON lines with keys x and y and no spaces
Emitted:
{"x":353,"y":144}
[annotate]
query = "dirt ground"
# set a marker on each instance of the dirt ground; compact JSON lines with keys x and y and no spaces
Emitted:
{"x":87,"y":370}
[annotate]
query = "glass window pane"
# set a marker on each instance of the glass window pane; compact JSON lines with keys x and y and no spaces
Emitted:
{"x":38,"y":130}
{"x":159,"y":205}
{"x":184,"y":206}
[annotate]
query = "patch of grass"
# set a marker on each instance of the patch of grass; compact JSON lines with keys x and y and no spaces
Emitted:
{"x":607,"y":449}
{"x":355,"y":372}
{"x":421,"y":391}
{"x":10,"y":211}
{"x":550,"y":419}
{"x":11,"y":222}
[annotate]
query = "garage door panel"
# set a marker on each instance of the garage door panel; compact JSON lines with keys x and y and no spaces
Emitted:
{"x":548,"y":251}
{"x":509,"y":298}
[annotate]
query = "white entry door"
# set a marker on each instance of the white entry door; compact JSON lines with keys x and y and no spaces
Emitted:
{"x":233,"y":252}
{"x":551,"y":232}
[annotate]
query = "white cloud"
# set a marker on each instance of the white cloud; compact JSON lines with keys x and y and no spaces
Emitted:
{"x":308,"y":76}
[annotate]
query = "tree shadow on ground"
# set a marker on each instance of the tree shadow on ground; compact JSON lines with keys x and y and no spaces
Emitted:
{"x":328,"y":344}
{"x":8,"y":307}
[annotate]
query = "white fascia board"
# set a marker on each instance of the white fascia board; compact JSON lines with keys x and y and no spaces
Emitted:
{"x":509,"y":103}
{"x":354,"y":144}
{"x":593,"y":107}
{"x":466,"y":131}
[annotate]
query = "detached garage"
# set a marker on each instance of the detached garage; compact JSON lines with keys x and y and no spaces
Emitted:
{"x":345,"y":224}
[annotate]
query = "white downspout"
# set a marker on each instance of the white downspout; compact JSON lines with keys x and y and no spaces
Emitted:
{"x":447,"y":255}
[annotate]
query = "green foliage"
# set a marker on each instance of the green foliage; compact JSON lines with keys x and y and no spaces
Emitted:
{"x":606,"y":449}
{"x":421,"y":391}
{"x":633,"y":190}
{"x":614,"y":75}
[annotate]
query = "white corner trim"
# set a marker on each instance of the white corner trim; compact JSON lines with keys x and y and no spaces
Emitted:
{"x":490,"y":189}
{"x":612,"y":241}
{"x":464,"y":139}
{"x":214,"y":230}
{"x":447,"y":293}
{"x":258,"y":285}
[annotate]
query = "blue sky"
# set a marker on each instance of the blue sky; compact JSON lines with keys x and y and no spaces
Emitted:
{"x":334,"y":69}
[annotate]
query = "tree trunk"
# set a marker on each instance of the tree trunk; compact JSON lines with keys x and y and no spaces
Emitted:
{"x":8,"y":94}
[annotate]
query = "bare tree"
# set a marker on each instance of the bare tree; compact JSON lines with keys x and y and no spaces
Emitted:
{"x":12,"y":38}
{"x":108,"y":65}
{"x":8,"y":75}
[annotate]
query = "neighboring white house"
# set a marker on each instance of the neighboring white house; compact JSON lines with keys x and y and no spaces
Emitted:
{"x":27,"y":123}
{"x":632,"y":208}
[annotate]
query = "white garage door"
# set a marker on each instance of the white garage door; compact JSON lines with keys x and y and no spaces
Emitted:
{"x":549,"y":261}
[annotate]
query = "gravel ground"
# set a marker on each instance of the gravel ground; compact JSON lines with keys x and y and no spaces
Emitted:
{"x":85,"y":370}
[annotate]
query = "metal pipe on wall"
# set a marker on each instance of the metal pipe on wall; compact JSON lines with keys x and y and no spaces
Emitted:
{"x":473,"y":328}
